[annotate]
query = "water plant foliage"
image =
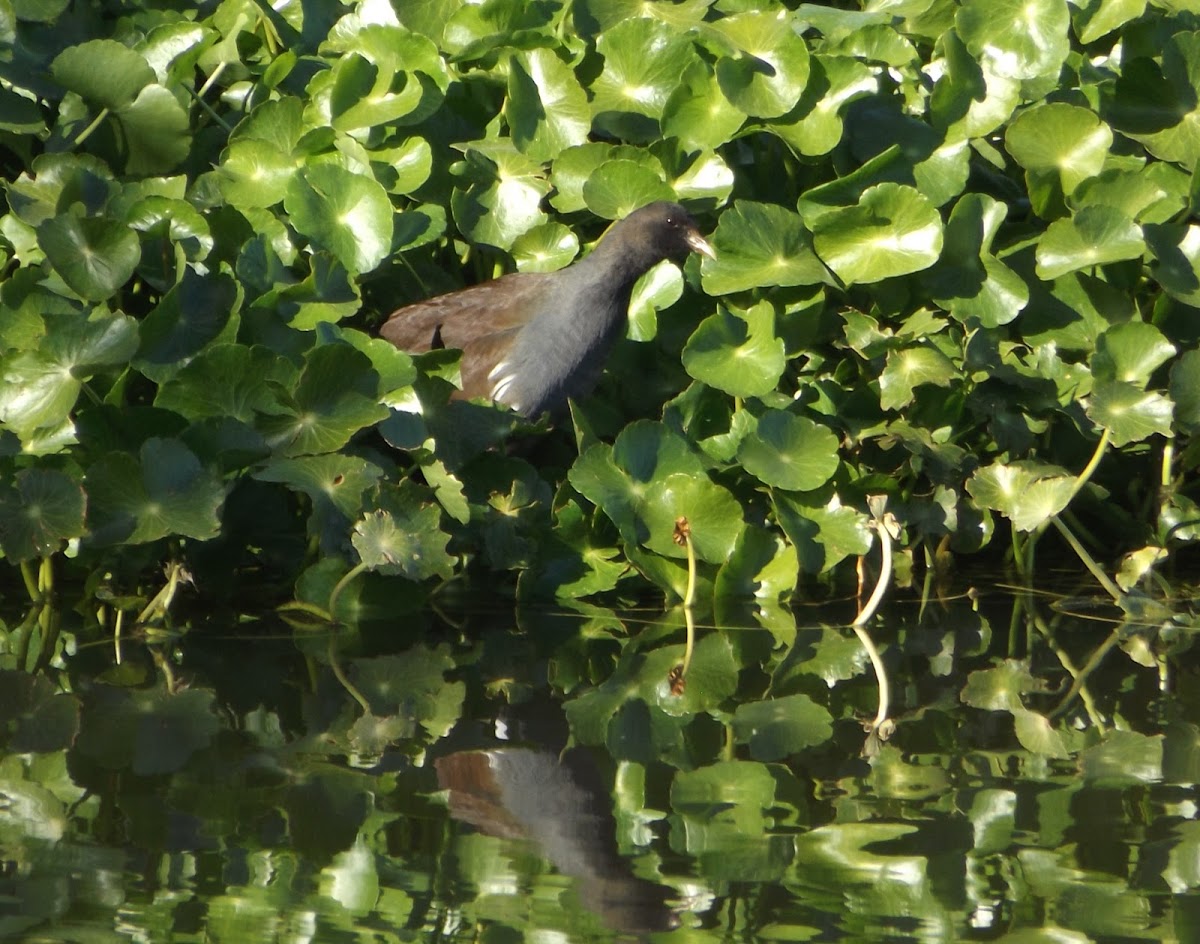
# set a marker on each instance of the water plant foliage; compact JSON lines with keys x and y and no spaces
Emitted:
{"x":954,"y":311}
{"x":955,"y":259}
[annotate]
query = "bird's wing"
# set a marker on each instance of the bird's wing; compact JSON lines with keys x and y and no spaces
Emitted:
{"x":459,"y":318}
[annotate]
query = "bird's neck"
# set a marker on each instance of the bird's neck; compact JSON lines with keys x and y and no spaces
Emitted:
{"x":615,"y":264}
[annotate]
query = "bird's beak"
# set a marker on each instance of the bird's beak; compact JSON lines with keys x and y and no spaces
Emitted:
{"x":699,"y":244}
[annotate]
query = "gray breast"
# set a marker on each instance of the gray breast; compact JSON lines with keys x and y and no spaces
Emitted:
{"x":561,"y":352}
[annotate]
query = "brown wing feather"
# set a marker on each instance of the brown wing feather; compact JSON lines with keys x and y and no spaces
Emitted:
{"x":460,"y":318}
{"x":479,"y":357}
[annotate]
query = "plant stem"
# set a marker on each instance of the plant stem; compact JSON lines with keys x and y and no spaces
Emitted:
{"x":1090,"y":666}
{"x":334,"y":662}
{"x":341,"y":585}
{"x":1113,"y":590}
{"x":96,"y":122}
{"x":340,"y":675}
{"x":880,"y":729}
{"x":161,"y":602}
{"x":1082,"y":479}
{"x":31,"y":583}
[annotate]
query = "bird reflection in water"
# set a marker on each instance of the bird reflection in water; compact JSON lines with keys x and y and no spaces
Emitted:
{"x":529,"y":793}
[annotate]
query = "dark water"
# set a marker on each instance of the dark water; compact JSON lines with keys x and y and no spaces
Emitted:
{"x":529,"y":776}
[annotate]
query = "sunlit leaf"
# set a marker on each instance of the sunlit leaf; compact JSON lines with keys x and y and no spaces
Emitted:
{"x":1130,"y":352}
{"x":1064,"y":141}
{"x":1019,"y":39}
{"x":765,"y":73}
{"x":503,"y":199}
{"x":546,"y":108}
{"x":1129,"y":412}
{"x":824,"y":531}
{"x":346,"y":213}
{"x":790,"y":451}
{"x":737,"y":353}
{"x":909,"y":368}
{"x":759,"y":244}
{"x":893,"y":231}
{"x":644,"y":60}
{"x":1096,"y":235}
{"x":1027,"y":494}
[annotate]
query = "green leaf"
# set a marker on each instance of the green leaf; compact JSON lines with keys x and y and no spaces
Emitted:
{"x":823,"y":531}
{"x":969,"y":101}
{"x":1097,"y":18}
{"x":1096,"y":235}
{"x":644,"y":60}
{"x":545,"y":248}
{"x":190,"y":316}
{"x":102,"y":71}
{"x":909,"y":368}
{"x":1162,"y":111}
{"x":1176,"y":266}
{"x":346,"y":213}
{"x":227,"y":380}
{"x":657,"y":289}
{"x":780,"y":727}
{"x":790,"y":451}
{"x":156,"y":131}
{"x":1131,"y":352}
{"x":333,"y":399}
{"x":332,"y":480}
{"x":162,"y":491}
{"x":762,"y":567}
{"x":40,"y":387}
{"x":38,"y":513}
{"x":594,"y":16}
{"x":698,"y":113}
{"x":1024,"y":492}
{"x":1185,"y":390}
{"x":408,"y":165}
{"x":648,"y":479}
{"x":968,"y":281}
{"x":617,"y":188}
{"x":894,"y":230}
{"x":404,"y":541}
{"x":713,"y":514}
{"x":832,"y":85}
{"x":1128,"y":412}
{"x":502,"y":201}
{"x":1017,"y":39}
{"x":328,"y":294}
{"x":760,"y":244}
{"x":94,"y":256}
{"x":766,"y":73}
{"x":546,"y":109}
{"x":362,"y":94}
{"x":739,"y":354}
{"x":255,"y":173}
{"x":1061,"y":141}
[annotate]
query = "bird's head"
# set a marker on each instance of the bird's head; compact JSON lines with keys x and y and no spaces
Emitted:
{"x":658,"y":231}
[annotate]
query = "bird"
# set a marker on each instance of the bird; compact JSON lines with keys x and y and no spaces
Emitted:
{"x":532,"y":340}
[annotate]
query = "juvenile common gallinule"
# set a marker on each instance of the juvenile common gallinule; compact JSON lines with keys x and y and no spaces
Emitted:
{"x":531,"y":340}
